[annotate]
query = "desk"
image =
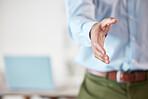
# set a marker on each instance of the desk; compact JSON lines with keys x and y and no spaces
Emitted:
{"x":66,"y":93}
{"x":69,"y":92}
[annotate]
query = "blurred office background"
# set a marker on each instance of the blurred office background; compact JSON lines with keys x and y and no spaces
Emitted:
{"x":38,"y":28}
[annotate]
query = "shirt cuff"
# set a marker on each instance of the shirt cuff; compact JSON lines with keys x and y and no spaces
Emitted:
{"x":86,"y":29}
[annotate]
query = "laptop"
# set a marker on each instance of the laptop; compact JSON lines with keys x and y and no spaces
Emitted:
{"x":28,"y":73}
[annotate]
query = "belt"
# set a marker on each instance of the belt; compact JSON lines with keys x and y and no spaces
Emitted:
{"x":122,"y":77}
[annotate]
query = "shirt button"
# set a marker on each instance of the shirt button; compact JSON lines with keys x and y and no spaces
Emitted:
{"x":131,"y":17}
{"x":133,"y":38}
{"x":133,"y":60}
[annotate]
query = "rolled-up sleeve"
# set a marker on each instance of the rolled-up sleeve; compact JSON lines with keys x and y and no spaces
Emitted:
{"x":81,"y":17}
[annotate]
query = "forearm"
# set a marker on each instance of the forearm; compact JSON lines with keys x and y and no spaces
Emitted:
{"x":81,"y":18}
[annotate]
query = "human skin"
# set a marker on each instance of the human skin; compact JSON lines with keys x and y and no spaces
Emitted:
{"x":97,"y":34}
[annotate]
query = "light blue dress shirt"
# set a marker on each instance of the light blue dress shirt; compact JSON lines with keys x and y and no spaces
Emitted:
{"x":127,"y":41}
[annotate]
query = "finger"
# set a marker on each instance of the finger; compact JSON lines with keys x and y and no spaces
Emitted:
{"x":101,"y":57}
{"x":101,"y":49}
{"x":97,"y":42}
{"x":101,"y":39}
{"x":108,"y":21}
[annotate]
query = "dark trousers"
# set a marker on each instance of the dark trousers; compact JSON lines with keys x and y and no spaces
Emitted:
{"x":94,"y":87}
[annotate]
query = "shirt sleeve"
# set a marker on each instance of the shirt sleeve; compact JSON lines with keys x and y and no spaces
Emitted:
{"x":81,"y":17}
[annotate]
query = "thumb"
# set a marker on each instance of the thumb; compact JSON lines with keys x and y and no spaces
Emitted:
{"x":108,"y":21}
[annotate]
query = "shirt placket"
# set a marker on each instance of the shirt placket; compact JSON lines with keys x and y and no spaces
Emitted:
{"x":132,"y":31}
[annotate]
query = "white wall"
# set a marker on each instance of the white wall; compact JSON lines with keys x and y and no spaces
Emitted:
{"x":35,"y":27}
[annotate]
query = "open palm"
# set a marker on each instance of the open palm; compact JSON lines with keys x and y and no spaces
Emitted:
{"x":98,"y":33}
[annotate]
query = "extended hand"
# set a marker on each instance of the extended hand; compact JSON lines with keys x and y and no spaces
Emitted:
{"x":98,"y":34}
